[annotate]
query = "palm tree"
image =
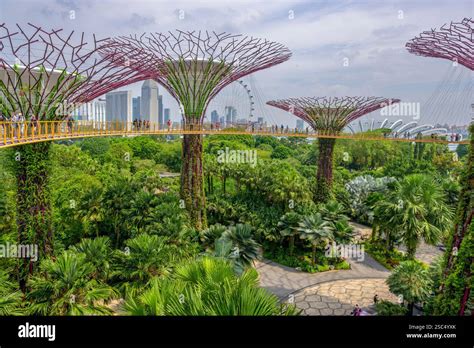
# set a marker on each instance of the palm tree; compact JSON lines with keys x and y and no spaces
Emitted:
{"x":411,"y":280}
{"x":317,"y":231}
{"x":66,"y":286}
{"x":90,"y":210}
{"x":417,"y":211}
{"x":207,"y":286}
{"x":288,"y":226}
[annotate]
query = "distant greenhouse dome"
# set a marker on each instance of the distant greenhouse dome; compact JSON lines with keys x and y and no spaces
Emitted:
{"x":399,"y":128}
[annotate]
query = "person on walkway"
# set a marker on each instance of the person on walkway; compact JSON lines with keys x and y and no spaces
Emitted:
{"x":356,"y":311}
{"x":282,"y":127}
{"x":21,"y":123}
{"x":376,"y":299}
{"x":33,"y":124}
{"x":70,"y":123}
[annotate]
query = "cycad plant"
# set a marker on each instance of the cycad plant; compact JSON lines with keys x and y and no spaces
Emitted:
{"x":317,"y":231}
{"x":66,"y":286}
{"x":208,"y":287}
{"x":98,"y":252}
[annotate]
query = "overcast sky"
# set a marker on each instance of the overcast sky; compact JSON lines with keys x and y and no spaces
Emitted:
{"x":339,"y":47}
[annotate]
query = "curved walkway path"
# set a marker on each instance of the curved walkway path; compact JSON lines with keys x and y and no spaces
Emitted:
{"x":283,"y":281}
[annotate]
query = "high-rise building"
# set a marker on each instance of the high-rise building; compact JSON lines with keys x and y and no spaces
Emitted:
{"x":260,"y":120}
{"x":299,"y":124}
{"x":166,"y":115}
{"x":118,"y":106}
{"x":93,"y":111}
{"x":221,"y":120}
{"x":160,"y":111}
{"x":136,"y":108}
{"x":149,"y":102}
{"x":230,"y":115}
{"x":214,"y":117}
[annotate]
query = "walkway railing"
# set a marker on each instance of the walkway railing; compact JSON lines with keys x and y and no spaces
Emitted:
{"x":24,"y":132}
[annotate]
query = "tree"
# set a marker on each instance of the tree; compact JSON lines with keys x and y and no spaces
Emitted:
{"x":328,"y":116}
{"x":53,"y":72}
{"x":288,"y":226}
{"x":317,"y":231}
{"x":411,"y":280}
{"x":417,"y":211}
{"x":194,"y":67}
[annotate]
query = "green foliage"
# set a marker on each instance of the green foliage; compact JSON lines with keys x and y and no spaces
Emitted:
{"x":388,"y":308}
{"x":415,"y":210}
{"x":207,"y":287}
{"x":410,"y":279}
{"x":66,"y":286}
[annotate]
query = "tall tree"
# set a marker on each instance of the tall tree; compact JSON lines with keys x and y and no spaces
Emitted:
{"x":194,"y":66}
{"x":328,"y":116}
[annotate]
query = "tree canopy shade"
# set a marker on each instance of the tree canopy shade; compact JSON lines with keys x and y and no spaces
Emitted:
{"x":454,"y":42}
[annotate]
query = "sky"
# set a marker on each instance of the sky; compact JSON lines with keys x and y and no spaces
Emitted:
{"x":339,"y":48}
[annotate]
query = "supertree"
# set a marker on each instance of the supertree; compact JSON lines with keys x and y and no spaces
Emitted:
{"x":328,"y":116}
{"x":46,"y":74}
{"x":194,"y":66}
{"x":455,"y":43}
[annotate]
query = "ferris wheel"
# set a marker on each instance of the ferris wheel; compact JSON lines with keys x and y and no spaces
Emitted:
{"x":234,"y":105}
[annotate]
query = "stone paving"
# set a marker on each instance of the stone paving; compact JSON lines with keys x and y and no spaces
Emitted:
{"x":340,"y":297}
{"x":283,"y":281}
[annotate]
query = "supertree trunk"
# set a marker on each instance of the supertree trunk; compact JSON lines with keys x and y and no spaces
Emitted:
{"x":53,"y":74}
{"x":324,"y":171}
{"x":328,"y":116}
{"x":457,"y":276}
{"x":194,"y":66}
{"x":33,"y":203}
{"x":192,"y":180}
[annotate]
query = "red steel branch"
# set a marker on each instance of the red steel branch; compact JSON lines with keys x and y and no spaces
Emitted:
{"x":454,"y":42}
{"x":329,"y":115}
{"x":40,"y":69}
{"x":195,"y":65}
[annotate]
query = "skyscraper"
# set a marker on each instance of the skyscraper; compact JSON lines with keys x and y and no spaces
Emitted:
{"x":214,"y":117}
{"x":136,"y":108}
{"x":230,"y":115}
{"x":118,"y":106}
{"x":149,"y":101}
{"x":166,"y":115}
{"x":160,"y":111}
{"x":299,"y":124}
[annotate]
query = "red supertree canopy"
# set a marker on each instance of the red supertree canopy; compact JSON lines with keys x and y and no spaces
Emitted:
{"x":194,"y":66}
{"x":42,"y":70}
{"x":329,"y":115}
{"x":454,"y":42}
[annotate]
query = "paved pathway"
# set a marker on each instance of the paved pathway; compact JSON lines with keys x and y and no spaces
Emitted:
{"x":340,"y":297}
{"x":283,"y":281}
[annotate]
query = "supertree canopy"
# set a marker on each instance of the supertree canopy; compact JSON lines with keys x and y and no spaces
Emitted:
{"x":46,"y":74}
{"x":454,"y":42}
{"x":328,"y":116}
{"x":194,"y":66}
{"x":41,"y":71}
